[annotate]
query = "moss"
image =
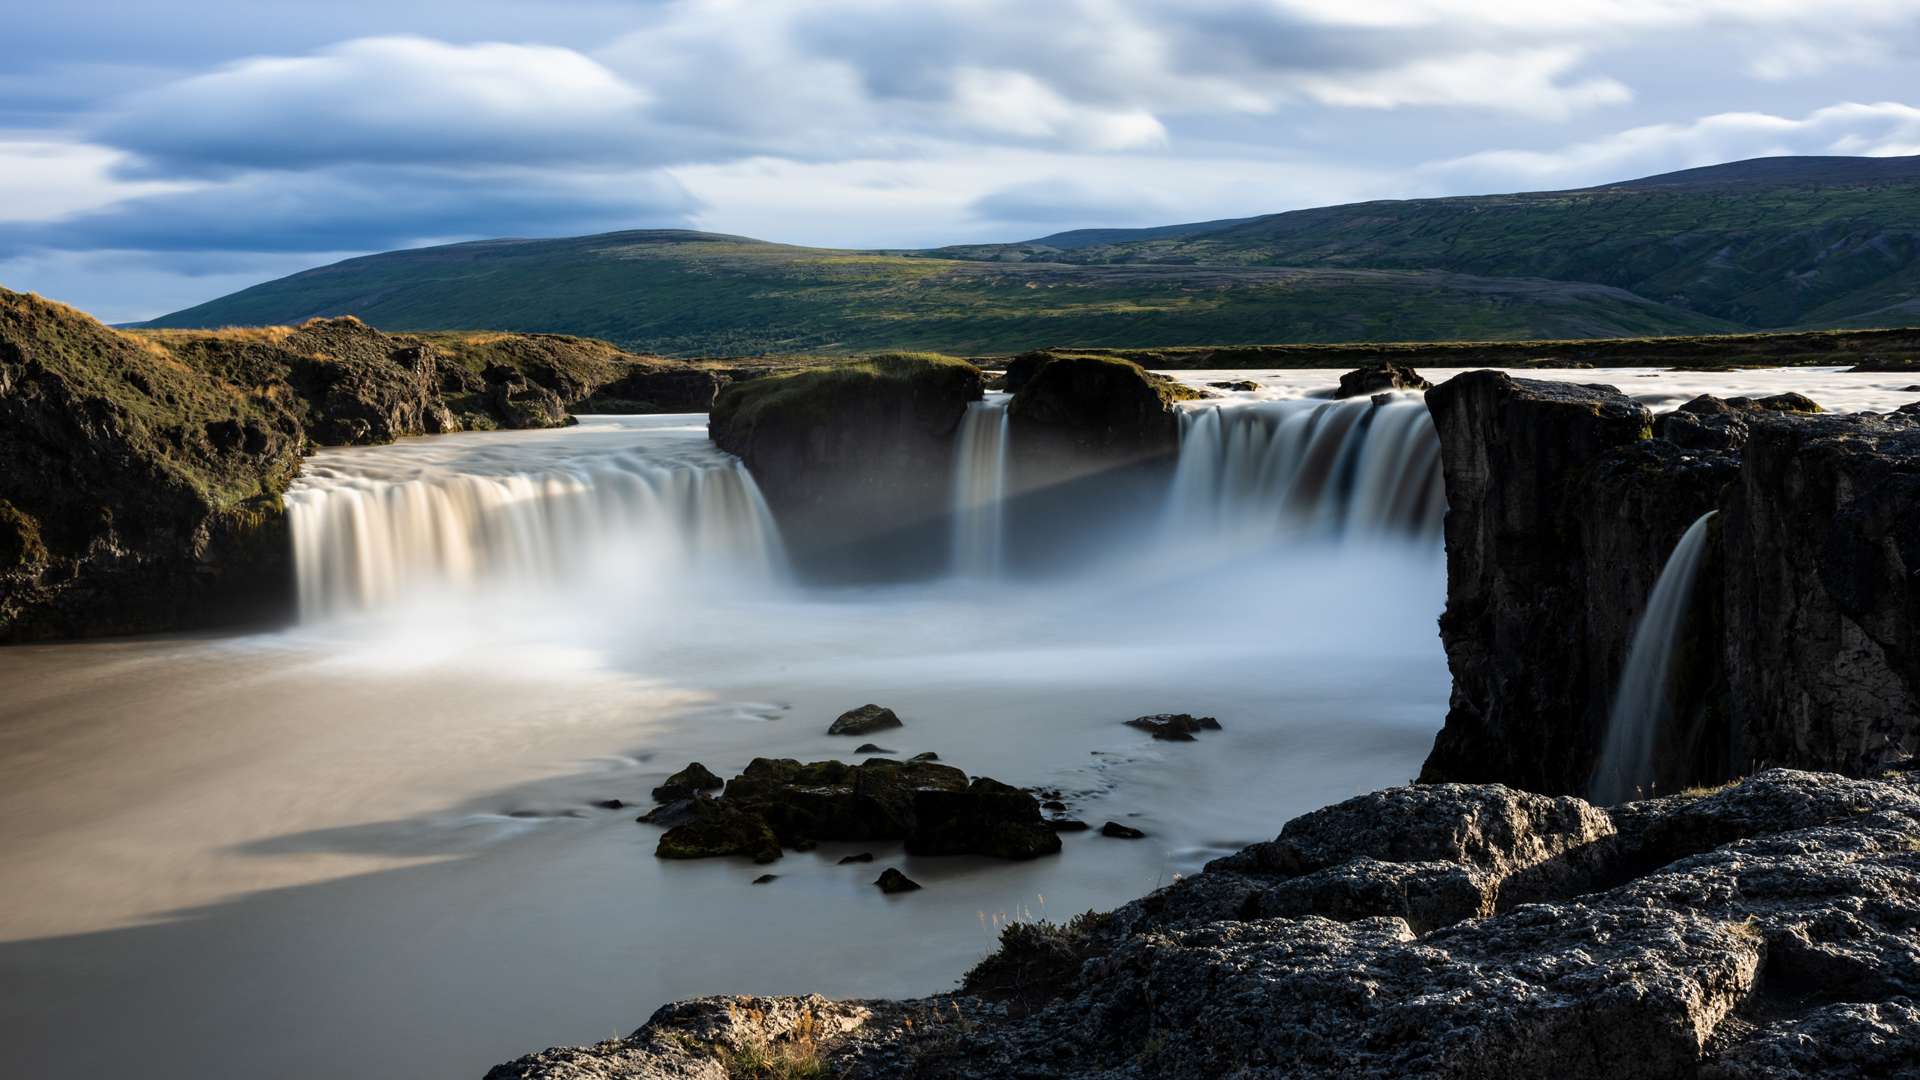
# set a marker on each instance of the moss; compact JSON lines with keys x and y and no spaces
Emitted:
{"x":809,"y":397}
{"x":20,"y":543}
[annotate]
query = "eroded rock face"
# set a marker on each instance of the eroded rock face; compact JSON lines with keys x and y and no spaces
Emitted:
{"x":1277,"y":962}
{"x":1565,"y":504}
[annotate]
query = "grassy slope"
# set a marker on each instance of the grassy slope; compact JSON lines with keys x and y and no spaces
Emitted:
{"x":1814,"y":256}
{"x":683,"y":294}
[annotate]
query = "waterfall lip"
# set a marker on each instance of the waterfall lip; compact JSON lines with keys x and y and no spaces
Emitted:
{"x":1641,"y":707}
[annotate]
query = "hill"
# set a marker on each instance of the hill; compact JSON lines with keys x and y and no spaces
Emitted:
{"x":1776,"y":243}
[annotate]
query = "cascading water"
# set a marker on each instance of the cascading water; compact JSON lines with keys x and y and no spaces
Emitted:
{"x":1641,"y":710}
{"x":381,"y":527}
{"x":1344,"y":469}
{"x":979,"y":490}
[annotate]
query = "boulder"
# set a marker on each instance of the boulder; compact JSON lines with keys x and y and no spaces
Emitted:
{"x":988,"y":818}
{"x":1377,"y":376}
{"x":862,"y":720}
{"x":1174,"y":727}
{"x":714,"y":827}
{"x":893,"y":881}
{"x":694,"y":777}
{"x":1121,"y":832}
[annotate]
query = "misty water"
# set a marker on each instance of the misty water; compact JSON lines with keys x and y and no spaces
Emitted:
{"x":368,"y":845}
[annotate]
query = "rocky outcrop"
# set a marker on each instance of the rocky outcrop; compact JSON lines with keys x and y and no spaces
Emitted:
{"x":1565,"y":503}
{"x":1786,"y":950}
{"x":934,"y":808}
{"x":1076,"y":414}
{"x":1378,"y":377}
{"x":855,"y":460}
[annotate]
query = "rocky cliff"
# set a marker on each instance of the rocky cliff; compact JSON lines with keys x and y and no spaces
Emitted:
{"x":140,"y":473}
{"x":1565,"y":502}
{"x":1765,"y":930}
{"x":855,"y":460}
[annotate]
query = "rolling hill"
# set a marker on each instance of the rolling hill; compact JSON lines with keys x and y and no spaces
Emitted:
{"x":1776,"y":243}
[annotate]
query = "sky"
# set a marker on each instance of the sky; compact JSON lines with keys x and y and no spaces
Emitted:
{"x":156,"y":156}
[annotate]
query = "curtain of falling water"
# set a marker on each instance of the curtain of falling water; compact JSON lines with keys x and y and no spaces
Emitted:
{"x":979,"y":490}
{"x":1342,"y":469}
{"x":363,"y":543}
{"x":1641,"y":710}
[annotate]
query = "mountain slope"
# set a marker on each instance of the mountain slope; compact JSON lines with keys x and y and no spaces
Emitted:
{"x":1767,"y":244}
{"x":1804,"y":243}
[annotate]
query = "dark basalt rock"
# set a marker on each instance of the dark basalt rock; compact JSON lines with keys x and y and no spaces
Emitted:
{"x":695,"y":777}
{"x":1238,"y":384}
{"x":1065,"y":824}
{"x":893,"y":881}
{"x":862,"y":720}
{"x":933,"y":808}
{"x":1785,"y":952}
{"x":870,"y":748}
{"x":1174,"y":727}
{"x":1121,"y":832}
{"x":928,"y":756}
{"x":1381,"y":375}
{"x":611,"y":804}
{"x":865,"y":856}
{"x":855,"y":461}
{"x":764,"y":878}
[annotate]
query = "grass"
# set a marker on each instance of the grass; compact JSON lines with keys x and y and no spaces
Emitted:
{"x":815,"y":394}
{"x":758,"y":1055}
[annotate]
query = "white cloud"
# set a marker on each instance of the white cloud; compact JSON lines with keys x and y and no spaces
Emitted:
{"x":1880,"y":130}
{"x":386,"y":100}
{"x":42,"y":180}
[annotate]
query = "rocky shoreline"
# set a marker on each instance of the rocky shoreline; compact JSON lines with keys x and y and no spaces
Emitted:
{"x":1768,"y":930}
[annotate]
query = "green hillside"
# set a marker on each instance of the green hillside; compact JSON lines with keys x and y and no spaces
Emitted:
{"x":1800,"y":243}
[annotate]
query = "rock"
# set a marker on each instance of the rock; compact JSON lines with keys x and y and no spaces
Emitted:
{"x":1238,"y":384}
{"x":764,"y":878}
{"x":1914,"y":389}
{"x":694,"y":777}
{"x":1379,"y":375}
{"x":1785,"y":952}
{"x":855,"y":461}
{"x":1174,"y":727}
{"x":667,"y":815}
{"x":870,"y":748}
{"x":715,"y":827}
{"x":1702,"y":430}
{"x":865,"y":856}
{"x":1053,"y":804}
{"x":519,"y":402}
{"x":1123,"y":832}
{"x":610,"y":804}
{"x":893,"y":881}
{"x":928,"y":756}
{"x":1066,"y":824}
{"x":988,"y":818}
{"x":862,"y":720}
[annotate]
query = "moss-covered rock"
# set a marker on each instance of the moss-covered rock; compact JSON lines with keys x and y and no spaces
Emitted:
{"x":719,"y":828}
{"x":865,"y":719}
{"x":695,"y":777}
{"x":932,"y":807}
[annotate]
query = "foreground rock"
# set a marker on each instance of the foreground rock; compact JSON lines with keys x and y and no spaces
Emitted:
{"x":1788,"y":949}
{"x":1565,"y":501}
{"x":778,"y":803}
{"x":1379,"y":377}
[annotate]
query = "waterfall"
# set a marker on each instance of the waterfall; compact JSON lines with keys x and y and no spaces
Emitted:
{"x":1344,"y":469}
{"x":377,"y":528}
{"x":979,"y":490}
{"x":1641,"y":710}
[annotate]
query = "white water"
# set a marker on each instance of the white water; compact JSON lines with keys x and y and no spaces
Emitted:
{"x":632,"y":507}
{"x":1641,"y":710}
{"x":1349,"y":470}
{"x":979,"y":490}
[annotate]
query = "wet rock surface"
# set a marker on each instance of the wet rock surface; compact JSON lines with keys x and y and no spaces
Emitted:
{"x":862,"y":720}
{"x":778,"y":803}
{"x":1174,"y":727}
{"x":695,"y":777}
{"x":1364,"y":941}
{"x":1377,"y":377}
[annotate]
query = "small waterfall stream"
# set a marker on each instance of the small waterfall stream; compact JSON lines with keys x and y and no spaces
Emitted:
{"x":377,"y":530}
{"x":1641,"y":710}
{"x":979,"y":490}
{"x":1336,"y":469}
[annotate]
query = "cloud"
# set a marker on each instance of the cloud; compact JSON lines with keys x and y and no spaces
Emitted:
{"x":48,"y":180}
{"x":1880,"y":130}
{"x":1068,"y":201}
{"x":389,"y":100}
{"x":367,"y":207}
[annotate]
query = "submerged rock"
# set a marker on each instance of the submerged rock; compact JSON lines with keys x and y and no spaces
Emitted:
{"x":1123,"y":832}
{"x":870,"y":748}
{"x":865,"y":856}
{"x":1174,"y":727}
{"x":893,"y":881}
{"x":764,"y":878}
{"x":1237,"y":384}
{"x":933,"y":808}
{"x":862,"y":720}
{"x":694,"y":777}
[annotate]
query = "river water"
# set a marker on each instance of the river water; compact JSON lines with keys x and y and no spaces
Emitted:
{"x":368,"y":845}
